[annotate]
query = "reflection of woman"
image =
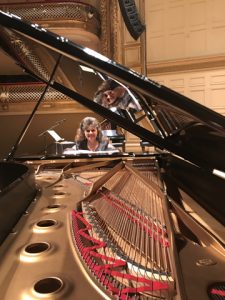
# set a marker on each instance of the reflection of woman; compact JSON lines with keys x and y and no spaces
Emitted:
{"x":89,"y":136}
{"x":112,"y":94}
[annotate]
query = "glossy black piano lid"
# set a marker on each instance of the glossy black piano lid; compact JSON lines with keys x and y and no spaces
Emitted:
{"x":179,"y":124}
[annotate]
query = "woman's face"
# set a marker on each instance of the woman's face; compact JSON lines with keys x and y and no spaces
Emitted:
{"x":91,"y":133}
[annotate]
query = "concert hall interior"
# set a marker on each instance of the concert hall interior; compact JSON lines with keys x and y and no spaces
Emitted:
{"x":142,"y":217}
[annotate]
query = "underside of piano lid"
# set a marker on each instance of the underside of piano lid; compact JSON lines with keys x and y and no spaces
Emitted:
{"x":120,"y":227}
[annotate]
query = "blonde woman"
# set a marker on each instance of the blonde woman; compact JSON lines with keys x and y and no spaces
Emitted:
{"x":89,"y":136}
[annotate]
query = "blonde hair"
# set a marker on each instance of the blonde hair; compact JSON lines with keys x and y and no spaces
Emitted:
{"x":84,"y":124}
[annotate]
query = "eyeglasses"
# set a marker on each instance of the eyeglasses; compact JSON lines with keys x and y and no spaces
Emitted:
{"x":108,"y":93}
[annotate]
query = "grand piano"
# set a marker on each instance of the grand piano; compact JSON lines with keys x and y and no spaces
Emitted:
{"x":120,"y":225}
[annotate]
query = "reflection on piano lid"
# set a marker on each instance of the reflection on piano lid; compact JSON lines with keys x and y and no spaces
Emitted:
{"x":55,"y":136}
{"x":57,"y":148}
{"x":112,"y":226}
{"x":109,"y":132}
{"x":71,"y":151}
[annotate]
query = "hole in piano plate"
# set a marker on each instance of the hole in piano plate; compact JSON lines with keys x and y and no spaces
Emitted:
{"x":37,"y":248}
{"x":34,"y":252}
{"x":54,"y":206}
{"x":59,"y":193}
{"x":46,"y":223}
{"x":48,"y":285}
{"x":58,"y":186}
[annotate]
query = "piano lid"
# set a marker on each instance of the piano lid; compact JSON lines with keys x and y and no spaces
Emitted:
{"x":153,"y":112}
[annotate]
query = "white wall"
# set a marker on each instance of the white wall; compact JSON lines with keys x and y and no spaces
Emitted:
{"x":185,"y":47}
{"x":178,"y":29}
{"x":207,"y":87}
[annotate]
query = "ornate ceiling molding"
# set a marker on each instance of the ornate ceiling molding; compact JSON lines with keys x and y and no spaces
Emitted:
{"x":109,"y":28}
{"x":103,"y":9}
{"x":115,"y":30}
{"x":19,"y":98}
{"x":68,"y":14}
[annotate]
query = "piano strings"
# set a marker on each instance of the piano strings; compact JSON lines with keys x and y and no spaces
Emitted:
{"x":121,"y":235}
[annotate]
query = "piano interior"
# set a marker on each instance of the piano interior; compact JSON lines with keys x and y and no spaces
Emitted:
{"x":112,"y":226}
